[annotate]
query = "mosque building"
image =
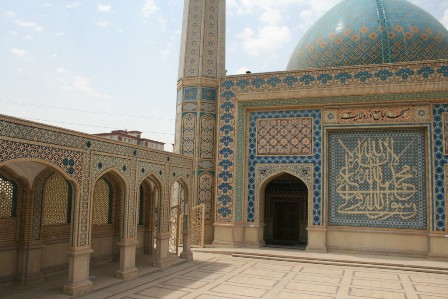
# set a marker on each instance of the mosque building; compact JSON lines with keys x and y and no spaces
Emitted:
{"x":346,"y":150}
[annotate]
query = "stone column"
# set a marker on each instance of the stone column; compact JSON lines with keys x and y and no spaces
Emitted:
{"x":162,"y":259}
{"x":80,"y":250}
{"x":78,"y":272}
{"x":30,"y":246}
{"x":128,"y":248}
{"x":186,"y":253}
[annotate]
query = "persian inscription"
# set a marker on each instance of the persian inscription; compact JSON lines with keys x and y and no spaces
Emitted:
{"x":366,"y":189}
{"x":362,"y":115}
{"x":378,"y":179}
{"x":289,"y":136}
{"x":378,"y":115}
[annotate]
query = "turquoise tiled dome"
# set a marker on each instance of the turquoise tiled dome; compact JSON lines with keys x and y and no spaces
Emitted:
{"x":359,"y":32}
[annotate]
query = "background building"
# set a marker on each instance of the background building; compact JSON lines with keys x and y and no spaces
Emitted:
{"x":133,"y":137}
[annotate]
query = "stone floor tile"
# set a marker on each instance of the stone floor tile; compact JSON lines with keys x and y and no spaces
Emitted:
{"x":253,"y":281}
{"x":202,"y":275}
{"x":374,"y":293}
{"x":289,"y":295}
{"x":321,"y":278}
{"x":433,"y":289}
{"x":377,"y":284}
{"x":239,"y":290}
{"x":376,"y":275}
{"x":185,"y":283}
{"x":264,"y":273}
{"x":312,"y":287}
{"x":159,"y":292}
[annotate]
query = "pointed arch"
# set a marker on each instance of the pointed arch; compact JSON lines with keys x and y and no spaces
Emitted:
{"x":150,"y":192}
{"x":284,"y":209}
{"x":108,"y":220}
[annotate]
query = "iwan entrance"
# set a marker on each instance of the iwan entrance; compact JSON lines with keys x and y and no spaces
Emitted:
{"x":286,"y":212}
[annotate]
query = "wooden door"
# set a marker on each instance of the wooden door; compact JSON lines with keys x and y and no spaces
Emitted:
{"x":286,"y":221}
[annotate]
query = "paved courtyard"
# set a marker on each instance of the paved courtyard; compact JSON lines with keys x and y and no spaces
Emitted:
{"x":220,"y":275}
{"x":224,"y":276}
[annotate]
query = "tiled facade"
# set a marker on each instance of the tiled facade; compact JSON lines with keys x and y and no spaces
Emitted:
{"x":232,"y":129}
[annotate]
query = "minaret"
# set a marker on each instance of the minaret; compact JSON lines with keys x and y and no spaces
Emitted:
{"x":202,"y":63}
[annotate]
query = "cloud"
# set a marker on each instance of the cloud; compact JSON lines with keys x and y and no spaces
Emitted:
{"x":18,"y":52}
{"x":149,"y":8}
{"x":29,"y":25}
{"x":60,"y":34}
{"x":104,"y":8}
{"x":72,"y":5}
{"x":10,"y":14}
{"x":445,"y":18}
{"x":61,"y":70}
{"x":82,"y":84}
{"x":266,"y":40}
{"x":242,"y":70}
{"x":103,"y":23}
{"x":270,"y":33}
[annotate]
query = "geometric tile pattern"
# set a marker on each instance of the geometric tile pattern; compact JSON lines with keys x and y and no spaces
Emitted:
{"x":377,"y":178}
{"x":220,"y":276}
{"x":56,"y":200}
{"x":207,"y":137}
{"x":310,"y":118}
{"x":202,"y":53}
{"x":7,"y":198}
{"x":371,"y":32}
{"x":445,"y":132}
{"x":440,"y":160}
{"x":188,"y":134}
{"x":206,"y":193}
{"x":284,"y":136}
{"x":67,"y":160}
{"x":328,"y":78}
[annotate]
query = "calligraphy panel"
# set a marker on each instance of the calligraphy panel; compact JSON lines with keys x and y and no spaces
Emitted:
{"x":289,"y":136}
{"x":377,"y":179}
{"x":394,"y":114}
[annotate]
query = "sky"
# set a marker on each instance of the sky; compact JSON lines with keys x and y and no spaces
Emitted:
{"x":96,"y":66}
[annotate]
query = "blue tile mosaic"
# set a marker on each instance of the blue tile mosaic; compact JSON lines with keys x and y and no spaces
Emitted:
{"x":190,"y":94}
{"x":315,"y":159}
{"x":440,"y":161}
{"x":208,"y":94}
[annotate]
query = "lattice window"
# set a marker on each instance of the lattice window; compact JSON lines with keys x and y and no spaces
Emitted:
{"x":102,"y":203}
{"x":174,"y":229}
{"x":56,"y":200}
{"x":197,"y":219}
{"x":8,"y":198}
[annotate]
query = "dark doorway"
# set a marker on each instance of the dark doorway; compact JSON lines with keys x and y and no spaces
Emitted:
{"x":286,"y":212}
